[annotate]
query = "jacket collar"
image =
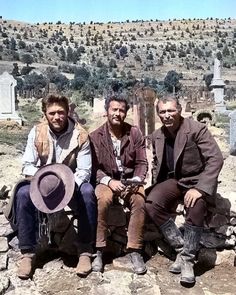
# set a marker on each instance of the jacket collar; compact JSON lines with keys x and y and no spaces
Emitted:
{"x":107,"y":142}
{"x":180,"y":140}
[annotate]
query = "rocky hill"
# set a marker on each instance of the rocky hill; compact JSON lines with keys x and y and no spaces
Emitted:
{"x":140,"y":49}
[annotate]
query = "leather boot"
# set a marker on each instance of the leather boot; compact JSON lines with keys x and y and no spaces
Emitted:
{"x":138,"y":264}
{"x":192,"y":236}
{"x":25,"y":266}
{"x":175,"y":238}
{"x":97,"y":264}
{"x":84,"y":266}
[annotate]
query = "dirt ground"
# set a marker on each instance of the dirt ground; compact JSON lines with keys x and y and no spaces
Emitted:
{"x":218,"y":280}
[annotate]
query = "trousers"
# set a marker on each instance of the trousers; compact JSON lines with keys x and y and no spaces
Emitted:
{"x":136,"y":204}
{"x":163,"y":199}
{"x":27,"y":215}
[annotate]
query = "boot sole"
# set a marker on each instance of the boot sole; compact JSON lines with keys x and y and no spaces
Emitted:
{"x":186,"y":282}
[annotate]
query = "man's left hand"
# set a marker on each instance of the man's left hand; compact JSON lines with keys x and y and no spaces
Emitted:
{"x":191,"y":197}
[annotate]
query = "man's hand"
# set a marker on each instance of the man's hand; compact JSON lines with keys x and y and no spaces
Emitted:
{"x":116,"y":185}
{"x":191,"y":197}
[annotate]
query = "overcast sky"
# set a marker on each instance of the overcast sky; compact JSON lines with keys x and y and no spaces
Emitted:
{"x":34,"y":11}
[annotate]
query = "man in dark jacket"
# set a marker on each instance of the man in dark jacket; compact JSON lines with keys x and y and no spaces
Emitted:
{"x":186,"y":165}
{"x":120,"y":150}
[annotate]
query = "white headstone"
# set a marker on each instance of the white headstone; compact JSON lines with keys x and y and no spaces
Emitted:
{"x":98,"y":105}
{"x":232,"y":136}
{"x":7,"y":98}
{"x":218,"y":86}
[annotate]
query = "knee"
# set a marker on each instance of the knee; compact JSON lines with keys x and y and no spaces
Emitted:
{"x":138,"y":201}
{"x":149,"y":208}
{"x":87,"y":190}
{"x":23,"y":197}
{"x":104,"y":194}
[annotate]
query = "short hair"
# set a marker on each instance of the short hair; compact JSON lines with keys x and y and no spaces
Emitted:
{"x":169,"y":97}
{"x":118,"y":98}
{"x":53,"y":98}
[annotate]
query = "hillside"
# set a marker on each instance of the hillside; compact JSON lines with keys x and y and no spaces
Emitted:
{"x":140,"y":49}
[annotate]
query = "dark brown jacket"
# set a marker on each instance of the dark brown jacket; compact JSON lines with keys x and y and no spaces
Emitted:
{"x":197,"y":157}
{"x":133,"y":152}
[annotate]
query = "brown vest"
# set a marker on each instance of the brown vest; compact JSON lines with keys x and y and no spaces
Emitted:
{"x":44,"y":146}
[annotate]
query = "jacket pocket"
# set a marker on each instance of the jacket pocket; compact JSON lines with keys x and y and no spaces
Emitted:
{"x":191,"y":161}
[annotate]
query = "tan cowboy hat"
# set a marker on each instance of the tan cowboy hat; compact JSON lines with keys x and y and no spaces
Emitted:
{"x":52,"y":188}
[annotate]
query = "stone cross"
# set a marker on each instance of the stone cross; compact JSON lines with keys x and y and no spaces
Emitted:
{"x":8,"y":98}
{"x":232,"y":136}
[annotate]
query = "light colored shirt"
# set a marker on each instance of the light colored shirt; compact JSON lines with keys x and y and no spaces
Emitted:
{"x":116,"y":147}
{"x":31,"y":162}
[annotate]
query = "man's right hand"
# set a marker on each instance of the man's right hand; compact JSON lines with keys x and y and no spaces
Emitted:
{"x":116,"y":185}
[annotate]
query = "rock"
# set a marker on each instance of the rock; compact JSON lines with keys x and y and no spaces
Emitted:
{"x":207,"y":257}
{"x":3,"y":261}
{"x":110,"y":285}
{"x":6,"y":231}
{"x":217,"y":220}
{"x":233,"y":221}
{"x":212,"y":257}
{"x":230,"y":241}
{"x":25,"y":291}
{"x":4,"y":283}
{"x":222,"y":205}
{"x":123,"y":263}
{"x":232,"y":200}
{"x":210,"y":239}
{"x":3,"y":245}
{"x":225,"y":257}
{"x":226,"y":230}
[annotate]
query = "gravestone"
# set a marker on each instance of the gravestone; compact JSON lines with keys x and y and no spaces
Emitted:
{"x":232,"y":135}
{"x":98,"y":105}
{"x":8,"y":98}
{"x":218,"y":86}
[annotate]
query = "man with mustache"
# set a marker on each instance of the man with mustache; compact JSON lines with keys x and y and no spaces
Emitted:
{"x":119,"y":147}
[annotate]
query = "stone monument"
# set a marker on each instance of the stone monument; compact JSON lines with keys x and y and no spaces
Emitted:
{"x":8,"y":98}
{"x":98,"y":105}
{"x":232,"y":135}
{"x":218,"y":86}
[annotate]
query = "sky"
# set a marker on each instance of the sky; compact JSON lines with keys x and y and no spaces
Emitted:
{"x":67,"y":11}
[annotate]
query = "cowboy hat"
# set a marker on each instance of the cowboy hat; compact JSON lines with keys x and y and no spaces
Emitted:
{"x":52,"y":187}
{"x":9,"y":210}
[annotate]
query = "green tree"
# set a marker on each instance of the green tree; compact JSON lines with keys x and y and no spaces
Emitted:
{"x":171,"y":82}
{"x":27,"y":59}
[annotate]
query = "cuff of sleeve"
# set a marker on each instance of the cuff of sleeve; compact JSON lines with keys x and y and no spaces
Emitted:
{"x":105,"y":180}
{"x":78,"y":182}
{"x":137,"y":178}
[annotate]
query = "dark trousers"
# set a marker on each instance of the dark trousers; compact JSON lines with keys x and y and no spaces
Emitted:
{"x":163,"y":199}
{"x":85,"y":204}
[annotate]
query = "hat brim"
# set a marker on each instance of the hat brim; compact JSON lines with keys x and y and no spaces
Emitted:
{"x":9,"y":210}
{"x":66,"y":175}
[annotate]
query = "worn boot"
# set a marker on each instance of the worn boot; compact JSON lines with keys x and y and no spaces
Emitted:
{"x":25,"y":266}
{"x":192,"y":236}
{"x":173,"y":235}
{"x":138,"y":264}
{"x":84,"y":265}
{"x":97,"y":264}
